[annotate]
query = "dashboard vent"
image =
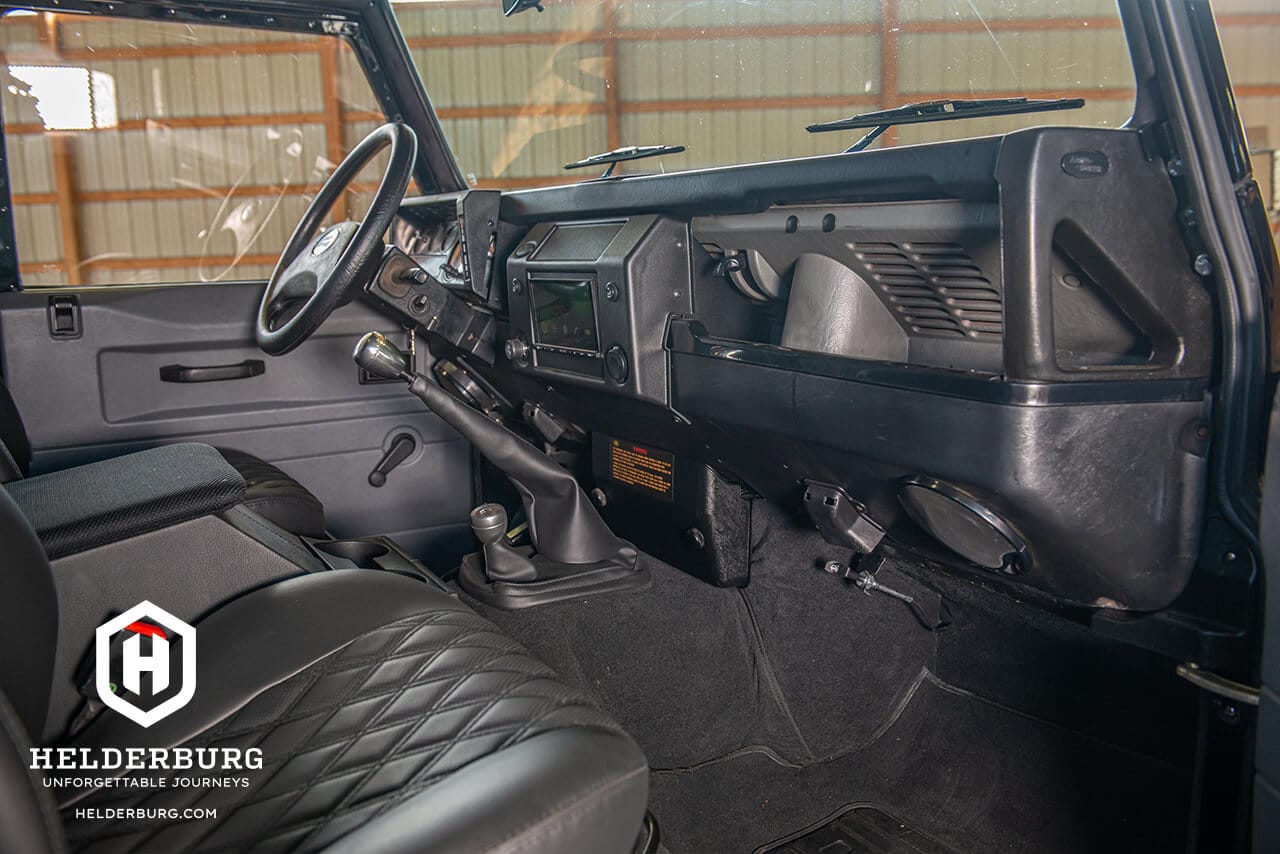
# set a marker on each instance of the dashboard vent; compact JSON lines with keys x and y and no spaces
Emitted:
{"x":934,"y":288}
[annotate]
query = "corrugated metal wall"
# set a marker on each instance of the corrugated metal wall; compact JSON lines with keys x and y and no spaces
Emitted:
{"x":222,"y":133}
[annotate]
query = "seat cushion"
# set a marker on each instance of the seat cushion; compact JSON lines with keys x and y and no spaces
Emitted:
{"x":276,"y":496}
{"x":390,"y":717}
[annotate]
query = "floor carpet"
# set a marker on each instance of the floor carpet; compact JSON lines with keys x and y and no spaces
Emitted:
{"x":767,"y":710}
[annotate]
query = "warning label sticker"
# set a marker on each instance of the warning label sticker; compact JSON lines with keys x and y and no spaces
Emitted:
{"x":647,"y":468}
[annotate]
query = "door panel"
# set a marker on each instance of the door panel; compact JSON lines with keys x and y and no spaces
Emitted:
{"x":102,"y":394}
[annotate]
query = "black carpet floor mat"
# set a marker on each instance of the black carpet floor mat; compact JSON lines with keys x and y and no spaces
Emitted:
{"x":859,"y":829}
{"x":768,"y":710}
{"x":963,"y":772}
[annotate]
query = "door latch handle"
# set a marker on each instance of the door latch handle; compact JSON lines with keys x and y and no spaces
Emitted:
{"x":64,"y":317}
{"x":212,"y":373}
{"x":402,"y":447}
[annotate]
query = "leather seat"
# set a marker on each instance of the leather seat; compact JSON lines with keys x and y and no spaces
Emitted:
{"x":269,"y":491}
{"x":273,"y":494}
{"x":390,"y":717}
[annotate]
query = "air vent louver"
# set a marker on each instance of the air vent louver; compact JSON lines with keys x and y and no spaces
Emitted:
{"x":934,"y":288}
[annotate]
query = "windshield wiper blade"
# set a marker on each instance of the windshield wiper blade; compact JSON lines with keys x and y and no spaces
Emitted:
{"x":941,"y":111}
{"x":621,"y":155}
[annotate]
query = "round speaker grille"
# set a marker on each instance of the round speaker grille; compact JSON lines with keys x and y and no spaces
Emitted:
{"x":964,"y":525}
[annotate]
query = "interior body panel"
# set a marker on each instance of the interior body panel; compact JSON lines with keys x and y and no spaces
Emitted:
{"x":977,"y":339}
{"x":102,"y":394}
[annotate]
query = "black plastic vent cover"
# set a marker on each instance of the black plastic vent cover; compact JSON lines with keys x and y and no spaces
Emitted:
{"x":934,"y":288}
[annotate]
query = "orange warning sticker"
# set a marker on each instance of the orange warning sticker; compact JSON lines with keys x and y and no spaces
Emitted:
{"x":647,"y":468}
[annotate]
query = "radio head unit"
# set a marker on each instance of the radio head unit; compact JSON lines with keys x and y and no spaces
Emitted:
{"x":564,"y":313}
{"x":589,"y":301}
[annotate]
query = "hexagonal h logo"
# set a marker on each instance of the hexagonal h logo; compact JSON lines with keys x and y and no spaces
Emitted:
{"x":139,"y":673}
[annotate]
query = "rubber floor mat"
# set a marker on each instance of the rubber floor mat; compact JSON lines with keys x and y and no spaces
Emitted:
{"x":858,"y":830}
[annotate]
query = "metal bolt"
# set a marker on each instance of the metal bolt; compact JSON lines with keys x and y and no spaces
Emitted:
{"x":1228,"y":712}
{"x":517,"y":286}
{"x":1177,"y":168}
{"x":1203,"y":266}
{"x":611,"y":291}
{"x":833,"y":567}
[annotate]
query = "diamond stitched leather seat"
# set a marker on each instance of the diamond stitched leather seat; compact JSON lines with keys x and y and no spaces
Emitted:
{"x":390,"y":716}
{"x":394,"y":712}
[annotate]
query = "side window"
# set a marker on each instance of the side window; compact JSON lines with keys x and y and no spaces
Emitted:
{"x":142,"y":152}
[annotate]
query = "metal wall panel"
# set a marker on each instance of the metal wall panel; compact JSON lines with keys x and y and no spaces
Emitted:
{"x":519,"y":97}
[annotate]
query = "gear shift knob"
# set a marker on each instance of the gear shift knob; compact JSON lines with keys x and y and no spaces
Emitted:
{"x":381,"y":358}
{"x":489,"y":523}
{"x":501,"y":562}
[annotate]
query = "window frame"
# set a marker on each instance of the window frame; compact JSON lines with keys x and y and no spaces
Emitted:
{"x":368,"y":29}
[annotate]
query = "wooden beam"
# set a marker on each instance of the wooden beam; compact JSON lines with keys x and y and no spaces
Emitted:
{"x":1250,"y":90}
{"x":1005,"y":25}
{"x":750,"y":31}
{"x":580,"y":108}
{"x":115,"y":262}
{"x":49,"y":31}
{"x":34,"y":198}
{"x":889,"y":30}
{"x":501,"y":39}
{"x":710,"y":104}
{"x":170,"y":51}
{"x":166,"y":194}
{"x":331,"y":93}
{"x":65,"y":189}
{"x":612,"y":96}
{"x":238,"y":120}
{"x":1118,"y":94}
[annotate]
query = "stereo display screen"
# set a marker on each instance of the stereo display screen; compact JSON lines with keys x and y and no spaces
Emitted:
{"x":564,"y":313}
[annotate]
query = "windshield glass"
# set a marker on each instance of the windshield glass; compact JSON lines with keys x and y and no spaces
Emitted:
{"x":737,"y":81}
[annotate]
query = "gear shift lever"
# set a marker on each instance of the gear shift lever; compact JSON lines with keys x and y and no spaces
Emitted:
{"x":501,"y":562}
{"x":564,"y":526}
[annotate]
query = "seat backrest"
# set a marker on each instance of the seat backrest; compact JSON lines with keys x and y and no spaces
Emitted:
{"x":28,"y":618}
{"x":31,"y":824}
{"x":15,"y":456}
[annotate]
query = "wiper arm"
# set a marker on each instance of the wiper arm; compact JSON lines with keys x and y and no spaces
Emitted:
{"x":621,"y":155}
{"x":941,"y":111}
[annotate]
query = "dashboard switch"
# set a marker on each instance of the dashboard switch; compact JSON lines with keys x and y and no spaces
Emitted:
{"x":616,"y":364}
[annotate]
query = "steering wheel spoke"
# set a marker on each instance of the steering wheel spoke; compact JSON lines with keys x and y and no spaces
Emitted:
{"x":325,"y":269}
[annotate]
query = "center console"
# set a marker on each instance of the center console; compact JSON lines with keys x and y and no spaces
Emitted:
{"x":589,"y":302}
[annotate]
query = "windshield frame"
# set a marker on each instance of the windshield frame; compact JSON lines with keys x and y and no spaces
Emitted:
{"x":1129,"y":14}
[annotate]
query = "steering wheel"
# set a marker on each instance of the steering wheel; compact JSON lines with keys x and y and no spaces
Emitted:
{"x":318,"y":273}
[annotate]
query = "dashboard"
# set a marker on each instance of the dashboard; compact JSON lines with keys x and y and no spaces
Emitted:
{"x":951,"y":358}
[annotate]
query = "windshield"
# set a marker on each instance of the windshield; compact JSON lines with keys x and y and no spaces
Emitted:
{"x":737,"y":81}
